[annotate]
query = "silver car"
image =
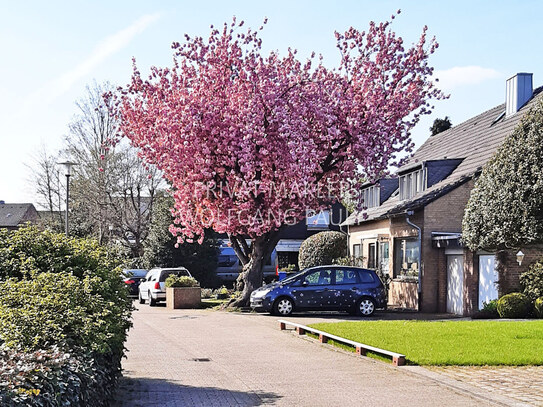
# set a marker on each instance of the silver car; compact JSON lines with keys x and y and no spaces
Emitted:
{"x":153,"y":287}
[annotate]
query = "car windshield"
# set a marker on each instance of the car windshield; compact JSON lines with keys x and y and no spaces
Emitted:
{"x":168,"y":273}
{"x":290,"y":279}
{"x":135,"y":273}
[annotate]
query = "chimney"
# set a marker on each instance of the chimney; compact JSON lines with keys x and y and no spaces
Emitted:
{"x":518,"y":90}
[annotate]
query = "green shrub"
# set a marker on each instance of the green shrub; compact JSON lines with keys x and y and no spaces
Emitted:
{"x":538,"y":308}
{"x":65,"y":294}
{"x":181,"y":281}
{"x":489,"y":311}
{"x":322,"y":249}
{"x":54,"y":378}
{"x":514,"y":305}
{"x":349,"y":261}
{"x":532,"y":281}
{"x":58,"y":308}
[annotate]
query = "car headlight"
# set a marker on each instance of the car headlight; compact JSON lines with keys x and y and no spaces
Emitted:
{"x":260,"y":293}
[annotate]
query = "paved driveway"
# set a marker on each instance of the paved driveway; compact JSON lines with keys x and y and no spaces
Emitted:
{"x":210,"y":358}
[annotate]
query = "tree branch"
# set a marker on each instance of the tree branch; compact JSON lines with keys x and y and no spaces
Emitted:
{"x":238,"y":250}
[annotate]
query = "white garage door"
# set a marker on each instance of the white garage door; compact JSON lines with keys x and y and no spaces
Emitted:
{"x":455,"y":284}
{"x":488,"y":276}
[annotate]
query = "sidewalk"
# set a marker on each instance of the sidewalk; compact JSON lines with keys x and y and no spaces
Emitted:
{"x":209,"y":358}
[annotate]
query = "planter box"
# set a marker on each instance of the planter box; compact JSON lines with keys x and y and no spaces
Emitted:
{"x":183,"y":297}
{"x":403,"y":294}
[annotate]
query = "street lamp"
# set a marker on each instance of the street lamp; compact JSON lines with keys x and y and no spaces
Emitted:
{"x":67,"y":171}
{"x":520,"y":257}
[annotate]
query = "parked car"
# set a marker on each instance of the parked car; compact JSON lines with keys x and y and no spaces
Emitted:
{"x":331,"y":288}
{"x":132,"y":278}
{"x":153,"y":288}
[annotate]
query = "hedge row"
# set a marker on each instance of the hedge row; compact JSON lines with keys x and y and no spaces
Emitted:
{"x":64,"y":317}
{"x":54,"y":378}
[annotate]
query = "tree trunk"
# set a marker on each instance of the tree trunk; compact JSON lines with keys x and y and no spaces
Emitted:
{"x":253,"y":259}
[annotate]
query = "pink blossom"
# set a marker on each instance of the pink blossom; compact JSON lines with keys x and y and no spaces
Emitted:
{"x":225,"y":114}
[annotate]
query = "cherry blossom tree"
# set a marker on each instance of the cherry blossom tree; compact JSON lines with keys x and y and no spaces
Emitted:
{"x":251,"y":142}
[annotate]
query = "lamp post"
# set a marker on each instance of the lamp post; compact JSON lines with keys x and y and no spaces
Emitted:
{"x":67,"y":171}
{"x":520,"y":257}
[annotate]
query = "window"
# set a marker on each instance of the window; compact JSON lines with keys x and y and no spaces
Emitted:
{"x":372,"y":256}
{"x":319,"y":221}
{"x":284,"y":259}
{"x":366,"y":277}
{"x":346,"y":277}
{"x":356,"y":250}
{"x":406,"y":257}
{"x":383,"y":257}
{"x":371,"y":197}
{"x":412,"y":183}
{"x":168,"y":273}
{"x":319,"y":277}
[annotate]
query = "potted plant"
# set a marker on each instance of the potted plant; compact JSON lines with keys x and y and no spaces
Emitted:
{"x":182,"y":292}
{"x":222,"y":293}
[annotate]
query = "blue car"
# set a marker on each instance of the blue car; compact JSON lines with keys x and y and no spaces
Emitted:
{"x":324,"y":288}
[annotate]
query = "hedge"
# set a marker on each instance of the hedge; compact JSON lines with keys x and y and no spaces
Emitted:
{"x":322,"y":248}
{"x":54,"y":378}
{"x":64,"y":317}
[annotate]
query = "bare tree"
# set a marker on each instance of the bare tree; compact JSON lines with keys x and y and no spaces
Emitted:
{"x":111,"y":187}
{"x":48,"y":187}
{"x":111,"y":193}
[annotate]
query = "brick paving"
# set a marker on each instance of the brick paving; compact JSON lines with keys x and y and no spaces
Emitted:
{"x":523,"y":384}
{"x":209,"y":358}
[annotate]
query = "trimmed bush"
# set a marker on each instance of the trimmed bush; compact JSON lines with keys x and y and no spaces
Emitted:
{"x":58,"y":308}
{"x":514,"y":305}
{"x":65,"y":308}
{"x":322,"y":249}
{"x":54,"y":378}
{"x":538,"y":308}
{"x":532,"y":281}
{"x":181,"y":281}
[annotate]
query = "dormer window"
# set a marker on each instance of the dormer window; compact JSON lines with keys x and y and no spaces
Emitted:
{"x":412,"y":183}
{"x":371,"y":196}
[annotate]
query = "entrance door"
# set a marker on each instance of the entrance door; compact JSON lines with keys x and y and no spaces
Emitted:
{"x":488,"y":277}
{"x":455,"y":284}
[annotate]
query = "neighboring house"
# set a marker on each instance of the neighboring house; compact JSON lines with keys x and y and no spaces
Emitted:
{"x":14,"y":215}
{"x":413,"y":233}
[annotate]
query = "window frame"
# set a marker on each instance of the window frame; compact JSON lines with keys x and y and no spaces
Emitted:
{"x":412,"y":183}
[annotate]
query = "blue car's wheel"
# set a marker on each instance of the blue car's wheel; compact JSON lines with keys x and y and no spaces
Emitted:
{"x":283,"y":306}
{"x":365,"y":307}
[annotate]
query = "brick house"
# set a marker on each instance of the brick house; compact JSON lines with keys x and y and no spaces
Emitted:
{"x":413,"y":233}
{"x":14,"y":215}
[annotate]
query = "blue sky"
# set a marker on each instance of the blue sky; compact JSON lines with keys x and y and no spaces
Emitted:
{"x":51,"y":50}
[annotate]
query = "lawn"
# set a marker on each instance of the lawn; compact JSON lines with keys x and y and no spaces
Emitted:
{"x":512,"y":343}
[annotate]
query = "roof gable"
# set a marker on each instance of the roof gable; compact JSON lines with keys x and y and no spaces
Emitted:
{"x":12,"y":215}
{"x":460,"y":151}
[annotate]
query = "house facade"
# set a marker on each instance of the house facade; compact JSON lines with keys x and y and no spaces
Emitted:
{"x":413,"y":234}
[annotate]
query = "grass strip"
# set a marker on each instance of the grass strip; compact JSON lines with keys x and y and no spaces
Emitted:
{"x":446,"y":343}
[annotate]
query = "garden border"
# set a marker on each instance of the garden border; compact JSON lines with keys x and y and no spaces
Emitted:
{"x":397,"y":358}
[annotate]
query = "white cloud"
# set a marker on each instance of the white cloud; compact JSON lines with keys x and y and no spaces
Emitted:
{"x":107,"y":47}
{"x":464,"y":75}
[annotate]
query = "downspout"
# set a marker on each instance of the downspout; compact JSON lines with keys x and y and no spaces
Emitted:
{"x":419,"y":243}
